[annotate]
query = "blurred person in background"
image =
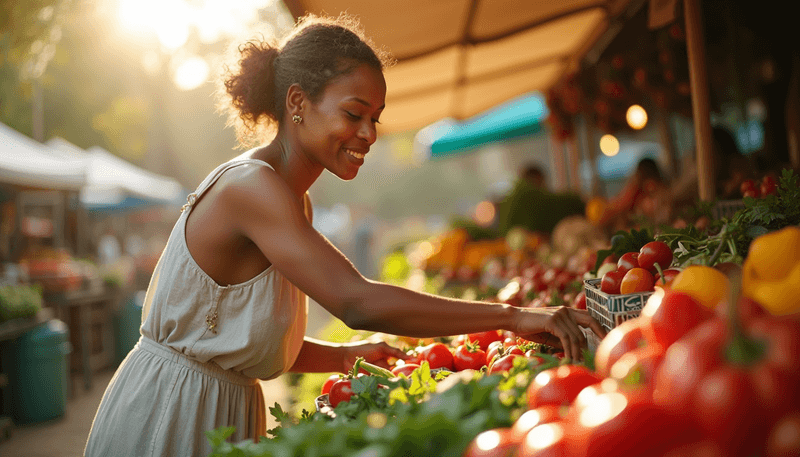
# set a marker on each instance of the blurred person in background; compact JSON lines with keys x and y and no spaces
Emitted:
{"x":227,"y":303}
{"x":532,"y":206}
{"x":645,"y":195}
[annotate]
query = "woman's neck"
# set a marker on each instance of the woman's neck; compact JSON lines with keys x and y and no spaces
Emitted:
{"x":291,"y":164}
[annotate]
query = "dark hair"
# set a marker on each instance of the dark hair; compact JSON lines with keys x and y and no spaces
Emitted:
{"x":316,"y":51}
{"x":648,"y":169}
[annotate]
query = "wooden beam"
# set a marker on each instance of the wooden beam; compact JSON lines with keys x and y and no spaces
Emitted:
{"x":695,"y":47}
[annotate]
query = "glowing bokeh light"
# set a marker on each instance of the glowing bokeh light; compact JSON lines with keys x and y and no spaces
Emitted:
{"x":488,"y":440}
{"x":636,"y":117}
{"x":603,"y":408}
{"x":609,"y":145}
{"x":191,"y":73}
{"x":543,"y":436}
{"x":484,"y":213}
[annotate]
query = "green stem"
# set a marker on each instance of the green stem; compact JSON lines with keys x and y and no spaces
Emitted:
{"x":741,"y":350}
{"x":722,"y":242}
{"x":371,"y":369}
{"x":660,"y":273}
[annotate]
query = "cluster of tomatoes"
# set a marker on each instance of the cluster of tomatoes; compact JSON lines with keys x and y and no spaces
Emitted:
{"x":679,"y":380}
{"x":494,"y":350}
{"x":639,"y":271}
{"x":756,"y":189}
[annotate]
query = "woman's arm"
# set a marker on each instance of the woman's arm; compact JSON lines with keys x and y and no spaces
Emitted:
{"x":269,"y":214}
{"x":318,"y":356}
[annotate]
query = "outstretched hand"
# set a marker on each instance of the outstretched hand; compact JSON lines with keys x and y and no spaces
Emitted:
{"x":373,"y":350}
{"x":558,"y":327}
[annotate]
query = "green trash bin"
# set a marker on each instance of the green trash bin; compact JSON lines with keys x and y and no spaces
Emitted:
{"x":39,"y":373}
{"x":127,"y":323}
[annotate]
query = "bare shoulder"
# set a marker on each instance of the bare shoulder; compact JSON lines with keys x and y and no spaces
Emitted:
{"x":255,"y":192}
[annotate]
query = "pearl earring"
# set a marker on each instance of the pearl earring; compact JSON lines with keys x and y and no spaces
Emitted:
{"x":297,"y":119}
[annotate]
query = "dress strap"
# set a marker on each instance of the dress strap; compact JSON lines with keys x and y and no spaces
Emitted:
{"x":192,"y":198}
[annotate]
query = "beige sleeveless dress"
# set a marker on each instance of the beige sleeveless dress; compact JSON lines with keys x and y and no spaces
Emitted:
{"x":202,"y":350}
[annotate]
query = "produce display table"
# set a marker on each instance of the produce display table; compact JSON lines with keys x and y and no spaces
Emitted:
{"x":88,"y":313}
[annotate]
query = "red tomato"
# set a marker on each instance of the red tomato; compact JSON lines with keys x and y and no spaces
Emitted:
{"x":669,"y":275}
{"x":655,"y":252}
{"x":535,"y":417}
{"x":514,"y":350}
{"x":753,"y":193}
{"x":580,"y":301}
{"x":406,"y":369}
{"x":628,"y":261}
{"x":699,"y":381}
{"x":341,"y":390}
{"x":784,"y":438}
{"x":438,"y":356}
{"x":671,"y":315}
{"x":559,"y":386}
{"x":326,"y":387}
{"x":611,"y":281}
{"x":768,"y":186}
{"x":494,"y":349}
{"x":503,"y":363}
{"x":622,"y":339}
{"x":547,"y":440}
{"x":531,"y":355}
{"x":611,"y":423}
{"x":636,"y":280}
{"x":748,"y":185}
{"x":639,"y":366}
{"x":498,"y":442}
{"x":485,"y":338}
{"x":465,"y":358}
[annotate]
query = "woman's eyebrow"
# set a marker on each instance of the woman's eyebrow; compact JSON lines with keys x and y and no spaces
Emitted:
{"x":365,"y":103}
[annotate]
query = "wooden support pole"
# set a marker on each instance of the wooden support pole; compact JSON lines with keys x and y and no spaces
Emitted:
{"x":698,"y":78}
{"x":574,"y":156}
{"x":559,"y":167}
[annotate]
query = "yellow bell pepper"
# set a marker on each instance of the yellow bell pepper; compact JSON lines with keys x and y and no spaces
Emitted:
{"x":707,"y":285}
{"x":771,"y":272}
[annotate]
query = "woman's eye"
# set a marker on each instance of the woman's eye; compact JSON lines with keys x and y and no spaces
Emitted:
{"x":353,"y":116}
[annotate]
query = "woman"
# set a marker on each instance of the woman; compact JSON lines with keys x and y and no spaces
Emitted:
{"x":227,"y":301}
{"x":645,"y":195}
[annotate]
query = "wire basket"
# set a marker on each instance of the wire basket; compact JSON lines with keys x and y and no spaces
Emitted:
{"x":612,"y":309}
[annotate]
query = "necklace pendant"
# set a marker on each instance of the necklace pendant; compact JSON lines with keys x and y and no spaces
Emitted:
{"x":211,"y":321}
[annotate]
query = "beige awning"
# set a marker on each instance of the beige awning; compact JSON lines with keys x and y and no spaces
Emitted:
{"x":457,"y":58}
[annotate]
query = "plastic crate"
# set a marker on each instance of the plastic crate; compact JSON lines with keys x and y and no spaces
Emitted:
{"x":612,"y":310}
{"x":726,"y":208}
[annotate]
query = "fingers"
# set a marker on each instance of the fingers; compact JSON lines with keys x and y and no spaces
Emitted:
{"x":585,"y":320}
{"x":571,"y":336}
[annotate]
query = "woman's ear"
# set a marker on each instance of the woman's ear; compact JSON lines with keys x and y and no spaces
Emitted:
{"x":295,"y":98}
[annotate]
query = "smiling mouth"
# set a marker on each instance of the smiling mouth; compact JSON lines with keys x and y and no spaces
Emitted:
{"x":355,"y":154}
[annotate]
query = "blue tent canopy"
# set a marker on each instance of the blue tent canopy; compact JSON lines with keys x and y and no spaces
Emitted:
{"x":519,"y":117}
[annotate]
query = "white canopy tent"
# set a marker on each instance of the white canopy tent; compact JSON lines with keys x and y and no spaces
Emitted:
{"x":26,"y":162}
{"x":112,"y":182}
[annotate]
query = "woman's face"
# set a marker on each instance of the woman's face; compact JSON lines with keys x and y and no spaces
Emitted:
{"x":340,"y":127}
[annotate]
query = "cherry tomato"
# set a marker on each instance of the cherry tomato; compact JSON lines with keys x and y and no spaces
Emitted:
{"x":748,"y":185}
{"x":768,"y":186}
{"x":784,"y":438}
{"x":438,"y":356}
{"x":628,"y":261}
{"x":671,"y":315}
{"x":465,"y":358}
{"x":611,"y":282}
{"x":580,"y":301}
{"x":485,"y":338}
{"x":636,"y":280}
{"x":753,"y":193}
{"x":503,"y":363}
{"x":559,"y":386}
{"x":326,"y":387}
{"x":655,"y":252}
{"x":622,"y":339}
{"x":406,"y":369}
{"x":669,"y":275}
{"x":341,"y":390}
